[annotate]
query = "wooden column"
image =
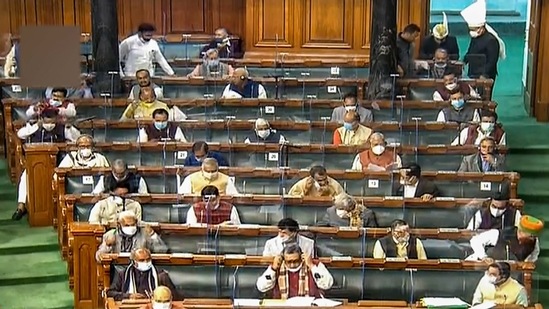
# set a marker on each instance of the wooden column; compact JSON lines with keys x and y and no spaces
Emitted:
{"x":41,"y":160}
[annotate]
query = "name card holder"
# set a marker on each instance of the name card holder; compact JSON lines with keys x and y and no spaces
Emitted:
{"x":347,"y":228}
{"x":304,"y":227}
{"x":342,"y":258}
{"x":396,"y":260}
{"x":394,"y":198}
{"x":451,"y":261}
{"x":182,"y":255}
{"x":448,"y":230}
{"x":124,"y":254}
{"x":447,"y":172}
{"x":235,"y":257}
{"x":445,"y":198}
{"x":249,"y":226}
{"x":342,"y":261}
{"x":180,"y":205}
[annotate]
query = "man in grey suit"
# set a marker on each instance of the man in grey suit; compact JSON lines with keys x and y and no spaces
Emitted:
{"x":346,"y":212}
{"x":485,"y":160}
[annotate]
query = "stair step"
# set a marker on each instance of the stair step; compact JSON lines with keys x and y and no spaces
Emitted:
{"x":20,"y":239}
{"x":54,"y":295}
{"x":32,"y":267}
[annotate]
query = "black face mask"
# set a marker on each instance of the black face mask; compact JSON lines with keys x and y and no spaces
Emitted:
{"x":218,"y":40}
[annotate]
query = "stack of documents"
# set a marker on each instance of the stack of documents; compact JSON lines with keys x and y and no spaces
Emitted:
{"x":291,"y":302}
{"x":444,"y":302}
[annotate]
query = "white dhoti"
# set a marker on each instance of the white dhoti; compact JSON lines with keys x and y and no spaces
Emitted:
{"x":22,"y":189}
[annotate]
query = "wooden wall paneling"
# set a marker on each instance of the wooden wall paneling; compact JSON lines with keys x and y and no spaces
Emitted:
{"x":69,"y":12}
{"x":416,"y":12}
{"x":83,"y":15}
{"x":5,"y":26}
{"x":48,"y":12}
{"x":529,"y":92}
{"x":541,"y":99}
{"x":187,"y":16}
{"x":227,"y":14}
{"x":30,"y":12}
{"x":267,"y":19}
{"x":16,"y":15}
{"x":362,"y":27}
{"x":328,"y":24}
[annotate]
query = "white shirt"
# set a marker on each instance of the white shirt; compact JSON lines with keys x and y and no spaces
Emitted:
{"x":70,"y":111}
{"x":71,"y":133}
{"x":460,"y":140}
{"x":282,"y":139}
{"x":477,"y":220}
{"x":138,"y":55}
{"x":357,"y":166}
{"x":410,"y":190}
{"x":442,"y":118}
{"x":96,"y":160}
{"x":274,"y":246}
{"x":179,"y":136}
{"x":107,"y":210}
{"x":323,"y":282}
{"x":229,"y":94}
{"x":472,"y":93}
{"x":10,"y":62}
{"x":100,"y":187}
{"x":490,"y":238}
{"x":186,"y":187}
{"x":192,"y":219}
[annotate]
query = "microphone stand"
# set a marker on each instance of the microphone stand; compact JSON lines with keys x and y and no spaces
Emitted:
{"x":106,"y":104}
{"x":164,"y":164}
{"x":416,"y":144}
{"x":229,"y":140}
{"x":393,"y":94}
{"x":323,"y":144}
{"x":138,"y":127}
{"x":186,"y":39}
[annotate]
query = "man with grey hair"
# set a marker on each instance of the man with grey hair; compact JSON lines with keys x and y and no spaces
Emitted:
{"x":211,"y":67}
{"x":242,"y":87}
{"x":347,"y":212}
{"x":119,"y":174}
{"x":209,"y":175}
{"x":263,"y":133}
{"x":377,"y":157}
{"x":128,"y":236}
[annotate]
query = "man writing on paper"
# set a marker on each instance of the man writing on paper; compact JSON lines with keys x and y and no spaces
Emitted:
{"x":212,"y":210}
{"x":288,"y":233}
{"x":498,"y":287}
{"x":399,"y":244}
{"x":378,"y":157}
{"x":294,"y":274}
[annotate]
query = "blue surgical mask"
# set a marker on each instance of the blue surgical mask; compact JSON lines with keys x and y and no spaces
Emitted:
{"x":348,"y":126}
{"x":458,"y":104}
{"x":213,"y":63}
{"x":160,"y":125}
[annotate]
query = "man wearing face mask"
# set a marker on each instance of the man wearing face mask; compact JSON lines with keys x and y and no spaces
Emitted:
{"x":295,"y":274}
{"x":200,"y":151}
{"x":46,"y":130}
{"x":211,"y":67}
{"x":140,"y":279}
{"x":84,"y":157}
{"x":412,"y":185}
{"x":212,"y":210}
{"x":58,"y":101}
{"x":350,"y":104}
{"x":318,"y":183}
{"x":140,"y":51}
{"x":459,"y":111}
{"x":352,"y":132}
{"x":407,"y":63}
{"x":488,"y":126}
{"x":440,"y":39}
{"x":208,"y":176}
{"x":399,"y":244}
{"x":377,"y":157}
{"x":498,"y":287}
{"x":128,"y":236}
{"x":498,"y":215}
{"x":264,"y":134}
{"x":515,"y":243}
{"x":147,"y":104}
{"x":227,"y":46}
{"x":288,"y":233}
{"x":144,"y":80}
{"x":485,"y":160}
{"x":120,"y":174}
{"x":486,"y":47}
{"x":107,"y":210}
{"x":347,"y":212}
{"x":161,"y":129}
{"x":242,"y":87}
{"x":450,"y":83}
{"x":162,"y":299}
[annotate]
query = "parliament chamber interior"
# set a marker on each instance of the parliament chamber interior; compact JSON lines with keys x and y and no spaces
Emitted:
{"x":249,"y":153}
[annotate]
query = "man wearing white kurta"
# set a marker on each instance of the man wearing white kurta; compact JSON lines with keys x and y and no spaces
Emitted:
{"x":288,"y":230}
{"x":140,"y":51}
{"x":242,"y":87}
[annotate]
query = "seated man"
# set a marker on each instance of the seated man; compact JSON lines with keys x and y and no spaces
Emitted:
{"x":212,"y":210}
{"x":222,"y":42}
{"x":352,"y":132}
{"x":412,"y":185}
{"x":498,"y":287}
{"x":107,"y":210}
{"x":473,"y":134}
{"x":200,"y":151}
{"x":451,"y":83}
{"x":58,"y":101}
{"x":378,"y":157}
{"x":84,"y":157}
{"x":288,"y":233}
{"x":516,"y":243}
{"x":441,"y":63}
{"x":498,"y":215}
{"x":46,"y":130}
{"x":140,"y":278}
{"x":399,"y":244}
{"x":350,"y":104}
{"x":242,"y":87}
{"x":459,"y":112}
{"x":264,"y":134}
{"x":128,"y":237}
{"x":208,"y":176}
{"x":347,"y":212}
{"x":162,"y":299}
{"x":85,"y":91}
{"x":318,"y":183}
{"x":294,"y":274}
{"x":144,"y":80}
{"x":161,"y":129}
{"x":211,"y":67}
{"x":147,"y":104}
{"x":120,"y":174}
{"x":484,"y":160}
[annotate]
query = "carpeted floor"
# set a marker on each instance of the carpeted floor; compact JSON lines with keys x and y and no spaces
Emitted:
{"x":32,"y":264}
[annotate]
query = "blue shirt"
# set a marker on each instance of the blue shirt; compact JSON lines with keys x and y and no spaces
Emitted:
{"x":192,"y":161}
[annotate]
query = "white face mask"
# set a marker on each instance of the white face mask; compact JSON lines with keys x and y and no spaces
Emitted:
{"x":55,"y":103}
{"x":317,"y":185}
{"x":487,"y":126}
{"x":296,"y":269}
{"x":263,"y":133}
{"x":474,"y":34}
{"x":496,"y":212}
{"x":143,"y":266}
{"x":451,"y":86}
{"x":156,"y":305}
{"x":85,"y":152}
{"x":403,"y":239}
{"x":209,"y":175}
{"x":48,"y":126}
{"x":342,"y":213}
{"x":117,"y":200}
{"x":284,"y":238}
{"x":378,"y":150}
{"x":492,"y":279}
{"x":129,"y":230}
{"x":350,"y":108}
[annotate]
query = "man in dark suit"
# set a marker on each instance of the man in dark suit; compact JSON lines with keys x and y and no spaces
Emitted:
{"x":412,"y":185}
{"x":439,"y":39}
{"x":485,"y":160}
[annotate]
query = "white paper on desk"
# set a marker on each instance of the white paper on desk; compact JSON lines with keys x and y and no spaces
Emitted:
{"x":442,"y":302}
{"x":246,"y":302}
{"x":324,"y":302}
{"x":485,"y":305}
{"x":375,"y":168}
{"x":300,"y":301}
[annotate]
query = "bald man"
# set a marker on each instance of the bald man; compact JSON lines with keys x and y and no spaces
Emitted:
{"x":140,"y":279}
{"x":377,"y":157}
{"x":162,"y":299}
{"x":147,"y":104}
{"x":84,"y":157}
{"x":352,"y":132}
{"x":242,"y":87}
{"x":212,"y":67}
{"x":120,"y":173}
{"x":208,"y":176}
{"x":264,"y":134}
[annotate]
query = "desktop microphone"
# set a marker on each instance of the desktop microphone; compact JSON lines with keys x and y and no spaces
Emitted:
{"x":164,"y":165}
{"x":90,"y":119}
{"x":235,"y":284}
{"x":229,"y":139}
{"x":416,"y":145}
{"x":411,"y":286}
{"x":112,"y":74}
{"x":138,"y":128}
{"x":323,"y":144}
{"x":393,"y":93}
{"x":186,"y":38}
{"x":106,"y":106}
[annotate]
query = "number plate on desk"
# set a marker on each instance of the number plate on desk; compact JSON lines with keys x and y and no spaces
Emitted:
{"x":183,"y":255}
{"x":16,"y":88}
{"x":181,"y":155}
{"x":235,"y":256}
{"x":332,"y":89}
{"x":334,"y":70}
{"x":273,"y":156}
{"x":450,"y":261}
{"x":87,"y":180}
{"x":393,"y":259}
{"x":485,"y":186}
{"x":269,"y":109}
{"x":373,"y":183}
{"x":342,"y":258}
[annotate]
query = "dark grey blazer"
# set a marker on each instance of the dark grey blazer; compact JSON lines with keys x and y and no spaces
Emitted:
{"x":332,"y":219}
{"x":473,"y":164}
